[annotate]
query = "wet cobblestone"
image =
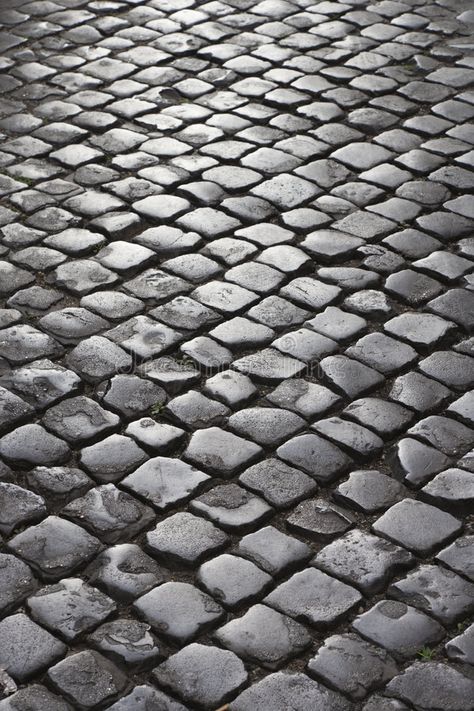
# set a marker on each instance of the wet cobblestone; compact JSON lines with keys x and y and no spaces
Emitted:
{"x":236,"y":356}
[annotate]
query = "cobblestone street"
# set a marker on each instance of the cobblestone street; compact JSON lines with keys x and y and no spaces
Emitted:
{"x":236,"y":355}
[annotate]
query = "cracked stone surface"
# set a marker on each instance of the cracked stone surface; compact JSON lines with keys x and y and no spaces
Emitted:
{"x":236,"y":355}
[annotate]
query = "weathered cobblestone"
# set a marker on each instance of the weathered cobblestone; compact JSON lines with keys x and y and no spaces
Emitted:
{"x":127,"y":641}
{"x":69,"y":608}
{"x":236,"y":355}
{"x":179,"y":611}
{"x":417,"y":526}
{"x":400,"y":629}
{"x":352,"y":665}
{"x":68,"y":678}
{"x":442,"y":593}
{"x":363,"y":560}
{"x":281,"y":689}
{"x":202,"y":675}
{"x":433,"y":686}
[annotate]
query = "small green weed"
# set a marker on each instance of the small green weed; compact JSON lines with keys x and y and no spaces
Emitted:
{"x":157,"y":409}
{"x":426,"y":654}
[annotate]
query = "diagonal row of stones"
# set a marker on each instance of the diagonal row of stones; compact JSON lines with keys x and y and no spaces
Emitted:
{"x":236,"y":362}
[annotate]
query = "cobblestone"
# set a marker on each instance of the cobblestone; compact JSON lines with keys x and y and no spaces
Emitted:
{"x":314,"y":597}
{"x":21,"y":635}
{"x":55,"y":557}
{"x":236,"y":355}
{"x":143,"y":695}
{"x":179,"y":611}
{"x":442,"y":593}
{"x":70,"y":608}
{"x":124,"y":571}
{"x":363,"y":560}
{"x":457,"y":556}
{"x":352,"y":665}
{"x":281,"y":689}
{"x":416,"y":525}
{"x":434,"y":686}
{"x":127,"y":641}
{"x":399,"y":628}
{"x":203,"y":675}
{"x":265,"y":636}
{"x":68,"y":678}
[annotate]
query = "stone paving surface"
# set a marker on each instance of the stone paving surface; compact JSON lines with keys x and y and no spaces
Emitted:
{"x":236,"y":361}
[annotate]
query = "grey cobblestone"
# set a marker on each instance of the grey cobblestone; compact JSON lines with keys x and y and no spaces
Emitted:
{"x":236,"y":355}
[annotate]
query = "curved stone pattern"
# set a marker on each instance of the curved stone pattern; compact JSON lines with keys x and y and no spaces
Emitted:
{"x":236,"y":355}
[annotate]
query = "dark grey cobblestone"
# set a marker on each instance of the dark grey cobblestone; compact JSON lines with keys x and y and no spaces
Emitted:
{"x":178,"y":611}
{"x":236,"y":355}
{"x":69,"y":608}
{"x":127,"y":641}
{"x":400,"y":629}
{"x":352,"y":665}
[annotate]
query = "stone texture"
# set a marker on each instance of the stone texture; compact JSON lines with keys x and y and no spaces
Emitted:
{"x":17,"y":582}
{"x":70,"y":608}
{"x":202,"y":675}
{"x":351,"y":665}
{"x":127,"y":641}
{"x":27,"y":648}
{"x":273,"y":551}
{"x":369,"y":491}
{"x":314,"y":597}
{"x":72,"y":677}
{"x":400,"y":629}
{"x":232,"y":580}
{"x":184,"y":538}
{"x":458,"y":556}
{"x":318,"y":520}
{"x":110,"y":514}
{"x":221,"y":452}
{"x":433,"y":686}
{"x":319,"y":458}
{"x":416,"y":525}
{"x":363,"y":560}
{"x":265,"y":636}
{"x":460,"y":649}
{"x":143,"y":696}
{"x":179,"y":611}
{"x":236,"y":363}
{"x":124,"y":572}
{"x":278,"y":483}
{"x":164,"y":481}
{"x":55,"y":547}
{"x":80,"y":420}
{"x":440,"y":592}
